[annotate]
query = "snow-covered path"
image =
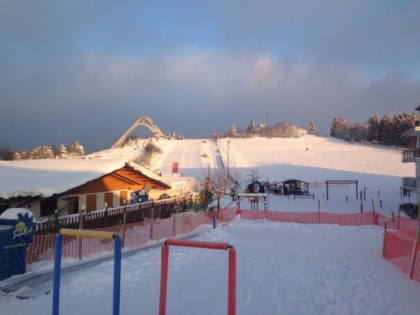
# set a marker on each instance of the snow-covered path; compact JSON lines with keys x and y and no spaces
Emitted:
{"x":282,"y":268}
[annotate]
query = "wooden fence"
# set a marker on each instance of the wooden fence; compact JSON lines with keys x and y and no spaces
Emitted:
{"x":115,"y":216}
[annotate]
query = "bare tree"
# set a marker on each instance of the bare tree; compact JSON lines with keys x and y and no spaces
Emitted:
{"x":217,"y":182}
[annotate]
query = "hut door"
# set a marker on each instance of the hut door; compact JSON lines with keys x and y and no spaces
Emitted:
{"x":109,"y":198}
{"x":123,"y":198}
{"x":90,"y":203}
{"x":73,"y":205}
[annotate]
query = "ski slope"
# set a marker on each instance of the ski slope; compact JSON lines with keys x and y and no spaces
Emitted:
{"x":312,"y":159}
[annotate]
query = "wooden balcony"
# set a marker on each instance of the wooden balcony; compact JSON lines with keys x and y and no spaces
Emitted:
{"x":408,"y":156}
{"x":411,"y":184}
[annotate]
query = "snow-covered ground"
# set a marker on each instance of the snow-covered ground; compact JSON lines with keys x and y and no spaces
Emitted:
{"x":378,"y":169}
{"x":281,"y":268}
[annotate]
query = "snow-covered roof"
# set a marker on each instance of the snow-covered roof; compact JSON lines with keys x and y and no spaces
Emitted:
{"x":12,"y":213}
{"x":47,"y":177}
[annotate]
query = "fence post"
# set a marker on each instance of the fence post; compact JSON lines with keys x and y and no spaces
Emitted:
{"x":373,"y":211}
{"x":79,"y":239}
{"x":174,"y":224}
{"x":163,"y":279}
{"x":57,"y":271}
{"x":319,"y":211}
{"x":190,"y":218}
{"x":414,"y":252}
{"x":384,"y":245}
{"x":232,"y":282}
{"x":124,"y":226}
{"x":151,"y":223}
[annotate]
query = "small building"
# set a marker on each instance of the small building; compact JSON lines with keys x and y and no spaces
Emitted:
{"x":256,"y":187}
{"x":43,"y":186}
{"x":411,"y":185}
{"x":293,"y":186}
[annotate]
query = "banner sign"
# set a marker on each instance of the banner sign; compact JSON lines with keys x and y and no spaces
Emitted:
{"x":174,"y":167}
{"x":14,"y":238}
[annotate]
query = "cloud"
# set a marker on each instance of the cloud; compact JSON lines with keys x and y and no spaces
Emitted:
{"x":86,"y":70}
{"x":99,"y":97}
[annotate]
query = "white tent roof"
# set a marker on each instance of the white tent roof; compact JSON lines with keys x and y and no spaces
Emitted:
{"x":47,"y":177}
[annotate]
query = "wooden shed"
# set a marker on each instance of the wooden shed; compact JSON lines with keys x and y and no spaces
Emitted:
{"x":293,"y":186}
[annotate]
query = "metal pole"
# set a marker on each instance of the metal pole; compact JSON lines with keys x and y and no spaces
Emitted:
{"x":57,"y":270}
{"x":117,"y":276}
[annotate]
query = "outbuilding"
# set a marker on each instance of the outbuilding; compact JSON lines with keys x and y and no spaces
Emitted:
{"x":293,"y":186}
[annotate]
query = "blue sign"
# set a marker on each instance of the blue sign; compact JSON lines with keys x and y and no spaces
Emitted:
{"x":14,"y":238}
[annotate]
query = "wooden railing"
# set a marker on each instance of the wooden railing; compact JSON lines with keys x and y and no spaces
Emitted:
{"x":114,"y":216}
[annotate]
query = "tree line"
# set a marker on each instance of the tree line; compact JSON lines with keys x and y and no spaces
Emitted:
{"x":43,"y":152}
{"x":388,"y":130}
{"x":281,"y":130}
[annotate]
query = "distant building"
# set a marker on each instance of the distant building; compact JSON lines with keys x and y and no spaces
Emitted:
{"x":411,"y":185}
{"x":294,"y":187}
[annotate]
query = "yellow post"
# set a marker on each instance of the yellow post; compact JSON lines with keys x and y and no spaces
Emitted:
{"x":88,"y":233}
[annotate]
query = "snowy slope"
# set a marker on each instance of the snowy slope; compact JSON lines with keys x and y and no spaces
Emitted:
{"x":312,"y":159}
{"x":281,"y":268}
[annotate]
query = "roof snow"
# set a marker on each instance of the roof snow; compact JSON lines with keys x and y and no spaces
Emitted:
{"x":47,"y":177}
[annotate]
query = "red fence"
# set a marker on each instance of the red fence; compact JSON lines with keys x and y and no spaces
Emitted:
{"x":353,"y":219}
{"x":133,"y":235}
{"x":400,"y":246}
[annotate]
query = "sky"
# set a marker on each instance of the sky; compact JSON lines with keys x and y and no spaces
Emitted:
{"x":87,"y":70}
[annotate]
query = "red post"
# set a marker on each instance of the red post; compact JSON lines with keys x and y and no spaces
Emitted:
{"x":197,"y":244}
{"x":163,"y":279}
{"x":385,"y":244}
{"x":232,"y":283}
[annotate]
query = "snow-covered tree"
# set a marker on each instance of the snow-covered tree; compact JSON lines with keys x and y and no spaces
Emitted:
{"x":17,"y":156}
{"x":339,"y":128}
{"x":373,"y":128}
{"x":42,"y":152}
{"x":76,"y":149}
{"x":233,"y":131}
{"x":62,"y":152}
{"x":386,"y":130}
{"x":251,"y":127}
{"x":312,"y":128}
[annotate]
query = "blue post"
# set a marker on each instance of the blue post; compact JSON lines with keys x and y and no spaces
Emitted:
{"x":214,"y":220}
{"x":117,"y":275}
{"x":57,"y":270}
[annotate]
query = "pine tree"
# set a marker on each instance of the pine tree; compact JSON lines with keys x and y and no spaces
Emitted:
{"x":76,"y":149}
{"x":251,"y":127}
{"x":62,"y":152}
{"x":312,"y":128}
{"x":373,"y":128}
{"x":17,"y":156}
{"x":339,"y":128}
{"x":44,"y":152}
{"x":233,"y":131}
{"x":386,"y":130}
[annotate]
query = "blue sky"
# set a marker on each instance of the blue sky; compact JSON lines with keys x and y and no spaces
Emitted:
{"x":87,"y":70}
